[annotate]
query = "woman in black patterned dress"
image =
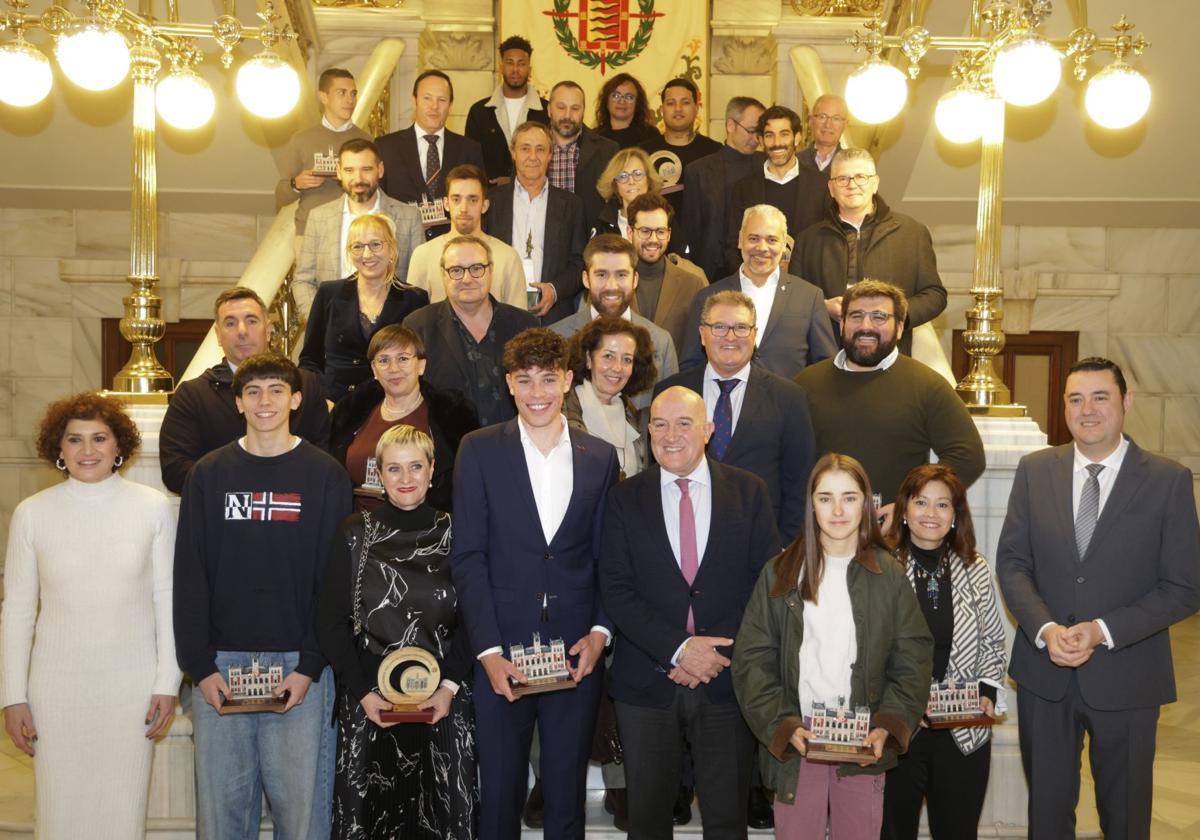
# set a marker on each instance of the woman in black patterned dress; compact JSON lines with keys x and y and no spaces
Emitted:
{"x":388,"y":586}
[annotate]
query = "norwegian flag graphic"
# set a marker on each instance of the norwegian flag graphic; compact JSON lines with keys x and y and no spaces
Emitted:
{"x":263,"y":506}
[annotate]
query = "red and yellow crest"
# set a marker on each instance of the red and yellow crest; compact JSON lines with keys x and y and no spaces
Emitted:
{"x":602,"y":35}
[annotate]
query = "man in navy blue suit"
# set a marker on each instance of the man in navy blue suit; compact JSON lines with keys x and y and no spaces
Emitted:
{"x":528,"y":514}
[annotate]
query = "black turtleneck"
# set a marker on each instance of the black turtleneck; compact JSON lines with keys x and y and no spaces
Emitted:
{"x":941,"y":618}
{"x":650,"y":277}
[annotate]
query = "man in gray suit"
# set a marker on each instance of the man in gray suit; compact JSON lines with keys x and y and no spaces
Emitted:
{"x":1098,"y":557}
{"x":323,"y":254}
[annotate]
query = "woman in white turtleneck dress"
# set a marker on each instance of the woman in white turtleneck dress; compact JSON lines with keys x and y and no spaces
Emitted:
{"x":86,"y":693}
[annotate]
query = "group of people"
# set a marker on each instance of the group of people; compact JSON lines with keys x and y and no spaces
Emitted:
{"x":717,"y":498}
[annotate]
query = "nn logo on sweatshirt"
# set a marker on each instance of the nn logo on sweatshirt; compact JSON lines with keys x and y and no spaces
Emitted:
{"x":263,"y":506}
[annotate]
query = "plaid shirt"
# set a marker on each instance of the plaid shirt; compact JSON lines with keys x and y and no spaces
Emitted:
{"x":564,"y":160}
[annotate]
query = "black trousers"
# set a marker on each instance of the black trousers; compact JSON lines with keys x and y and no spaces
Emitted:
{"x":934,"y":771}
{"x":1121,"y":750}
{"x":722,"y":750}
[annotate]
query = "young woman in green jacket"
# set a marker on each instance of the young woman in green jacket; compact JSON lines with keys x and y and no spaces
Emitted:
{"x":832,"y":619}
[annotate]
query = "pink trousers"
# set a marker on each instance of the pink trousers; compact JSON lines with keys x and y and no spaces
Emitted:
{"x":852,"y":806}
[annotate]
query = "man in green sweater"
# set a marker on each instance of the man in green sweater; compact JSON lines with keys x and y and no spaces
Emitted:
{"x":885,"y":409}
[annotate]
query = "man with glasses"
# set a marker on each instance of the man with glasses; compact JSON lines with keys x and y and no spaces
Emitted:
{"x":794,"y":330}
{"x":322,"y":255}
{"x":464,"y":334}
{"x":886,"y":409}
{"x":667,"y":283}
{"x":579,"y":154}
{"x":708,"y":182}
{"x":466,"y":201}
{"x":861,"y":237}
{"x":799,"y":193}
{"x":826,"y":122}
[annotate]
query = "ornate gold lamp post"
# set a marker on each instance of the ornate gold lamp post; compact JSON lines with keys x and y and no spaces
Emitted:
{"x":1004,"y":60}
{"x":95,"y":53}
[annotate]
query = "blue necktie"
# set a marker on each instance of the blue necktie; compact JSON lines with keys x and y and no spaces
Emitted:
{"x":723,"y":419}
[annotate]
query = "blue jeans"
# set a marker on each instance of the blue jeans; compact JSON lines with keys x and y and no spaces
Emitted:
{"x":239,"y":757}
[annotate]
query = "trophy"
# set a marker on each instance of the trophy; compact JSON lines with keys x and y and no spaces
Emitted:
{"x":372,"y":487}
{"x":325,"y":165}
{"x":838,"y":734}
{"x":670,"y":168}
{"x":252,"y":689}
{"x":953,"y":704}
{"x":545,"y":666}
{"x":408,"y":676}
{"x":432,"y":210}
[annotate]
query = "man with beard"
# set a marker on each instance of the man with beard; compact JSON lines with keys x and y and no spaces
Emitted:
{"x":826,"y":122}
{"x":885,"y":409}
{"x":579,"y":154}
{"x":667,"y":283}
{"x":466,"y":202}
{"x":798,"y":192}
{"x":610,"y":277}
{"x":323,"y":251}
{"x":492,"y":121}
{"x":794,"y":330}
{"x":861,"y":237}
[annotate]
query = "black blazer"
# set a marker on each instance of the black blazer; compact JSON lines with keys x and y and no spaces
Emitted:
{"x":403,"y":179}
{"x":809,"y":207}
{"x":483,"y":127}
{"x":445,"y":362}
{"x":706,"y":207}
{"x":334,"y":345}
{"x":594,"y":154}
{"x":645,"y":594}
{"x":562,"y":263}
{"x":773,"y":439}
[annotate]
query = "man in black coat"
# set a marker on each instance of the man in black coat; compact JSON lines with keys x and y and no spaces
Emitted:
{"x":579,"y":154}
{"x":493,"y":120}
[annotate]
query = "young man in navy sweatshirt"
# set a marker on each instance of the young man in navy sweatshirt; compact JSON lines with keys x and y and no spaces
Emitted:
{"x":255,"y":524}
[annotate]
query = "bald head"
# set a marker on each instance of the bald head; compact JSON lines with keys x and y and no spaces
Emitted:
{"x":678,"y":430}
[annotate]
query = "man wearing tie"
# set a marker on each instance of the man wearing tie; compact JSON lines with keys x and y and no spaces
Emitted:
{"x":683,"y":545}
{"x":1098,"y":557}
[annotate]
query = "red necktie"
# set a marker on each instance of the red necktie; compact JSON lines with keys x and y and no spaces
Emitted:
{"x":689,"y":559}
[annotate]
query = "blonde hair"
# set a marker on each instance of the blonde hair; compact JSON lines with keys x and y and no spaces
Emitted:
{"x":372,"y":222}
{"x":606,"y":184}
{"x":404,"y":435}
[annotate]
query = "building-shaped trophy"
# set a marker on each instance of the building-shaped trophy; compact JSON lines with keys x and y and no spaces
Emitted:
{"x":325,"y":165}
{"x":545,"y":666}
{"x":252,"y":689}
{"x":953,"y":704}
{"x":838,"y":733}
{"x":407,"y":677}
{"x":433,"y":212}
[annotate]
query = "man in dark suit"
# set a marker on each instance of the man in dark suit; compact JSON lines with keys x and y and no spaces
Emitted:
{"x":416,"y":159}
{"x":528,"y":514}
{"x":492,"y":121}
{"x":796,"y":331}
{"x":1096,"y":560}
{"x":579,"y":154}
{"x":761,"y":419}
{"x":464,"y":335}
{"x":683,"y":545}
{"x":826,"y":123}
{"x":542,"y":223}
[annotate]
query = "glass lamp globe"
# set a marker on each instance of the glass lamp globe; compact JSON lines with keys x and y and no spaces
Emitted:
{"x":1026,"y":71}
{"x":25,"y":75}
{"x":268,"y":86}
{"x":1117,"y":96}
{"x":876,"y":92}
{"x":960,"y":115}
{"x":184,"y":99}
{"x":94,"y":58}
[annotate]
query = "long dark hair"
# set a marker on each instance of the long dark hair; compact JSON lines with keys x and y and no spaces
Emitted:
{"x":962,"y":533}
{"x":641,"y":105}
{"x":802,"y":564}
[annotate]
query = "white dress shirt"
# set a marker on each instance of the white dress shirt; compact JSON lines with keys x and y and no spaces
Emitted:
{"x":763,"y":297}
{"x":349,"y":124}
{"x":737,"y":396}
{"x":423,"y":147}
{"x":700,"y":490}
{"x":349,"y":216}
{"x":529,"y":227}
{"x":791,"y":175}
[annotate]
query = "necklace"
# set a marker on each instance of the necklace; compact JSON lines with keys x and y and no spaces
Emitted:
{"x":932,"y":580}
{"x":389,"y":414}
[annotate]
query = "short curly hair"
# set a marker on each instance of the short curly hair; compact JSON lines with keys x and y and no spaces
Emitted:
{"x":588,"y":339}
{"x":90,"y":405}
{"x":535,"y":347}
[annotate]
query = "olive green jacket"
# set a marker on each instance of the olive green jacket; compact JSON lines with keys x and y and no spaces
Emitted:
{"x":890,"y":675}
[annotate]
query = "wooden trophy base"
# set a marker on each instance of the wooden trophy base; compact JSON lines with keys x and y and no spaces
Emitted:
{"x":956,"y":721}
{"x":541,"y":686}
{"x":245,"y":705}
{"x":839,"y":753}
{"x":406,"y":713}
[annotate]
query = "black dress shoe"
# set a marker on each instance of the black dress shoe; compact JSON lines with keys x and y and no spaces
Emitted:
{"x":759,"y":814}
{"x":534,"y":814}
{"x":616,"y":802}
{"x":683,"y":807}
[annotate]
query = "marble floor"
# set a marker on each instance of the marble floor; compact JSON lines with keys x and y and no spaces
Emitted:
{"x":1176,"y":768}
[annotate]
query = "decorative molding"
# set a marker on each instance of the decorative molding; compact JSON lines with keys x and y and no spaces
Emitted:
{"x":359,"y":4}
{"x":738,"y":56}
{"x":443,"y":50}
{"x":837,"y":8}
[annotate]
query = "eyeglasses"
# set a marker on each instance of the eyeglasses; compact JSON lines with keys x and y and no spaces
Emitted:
{"x":657,"y":233}
{"x":399,"y":360}
{"x":860,"y":180}
{"x":375,"y":246}
{"x":720,"y":330}
{"x":836,"y":119}
{"x":631,"y":175}
{"x":621,"y":96}
{"x":751,"y":130}
{"x":857,"y":316}
{"x":474,"y":269}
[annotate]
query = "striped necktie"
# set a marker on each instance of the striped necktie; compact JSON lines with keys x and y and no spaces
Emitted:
{"x":1089,"y":509}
